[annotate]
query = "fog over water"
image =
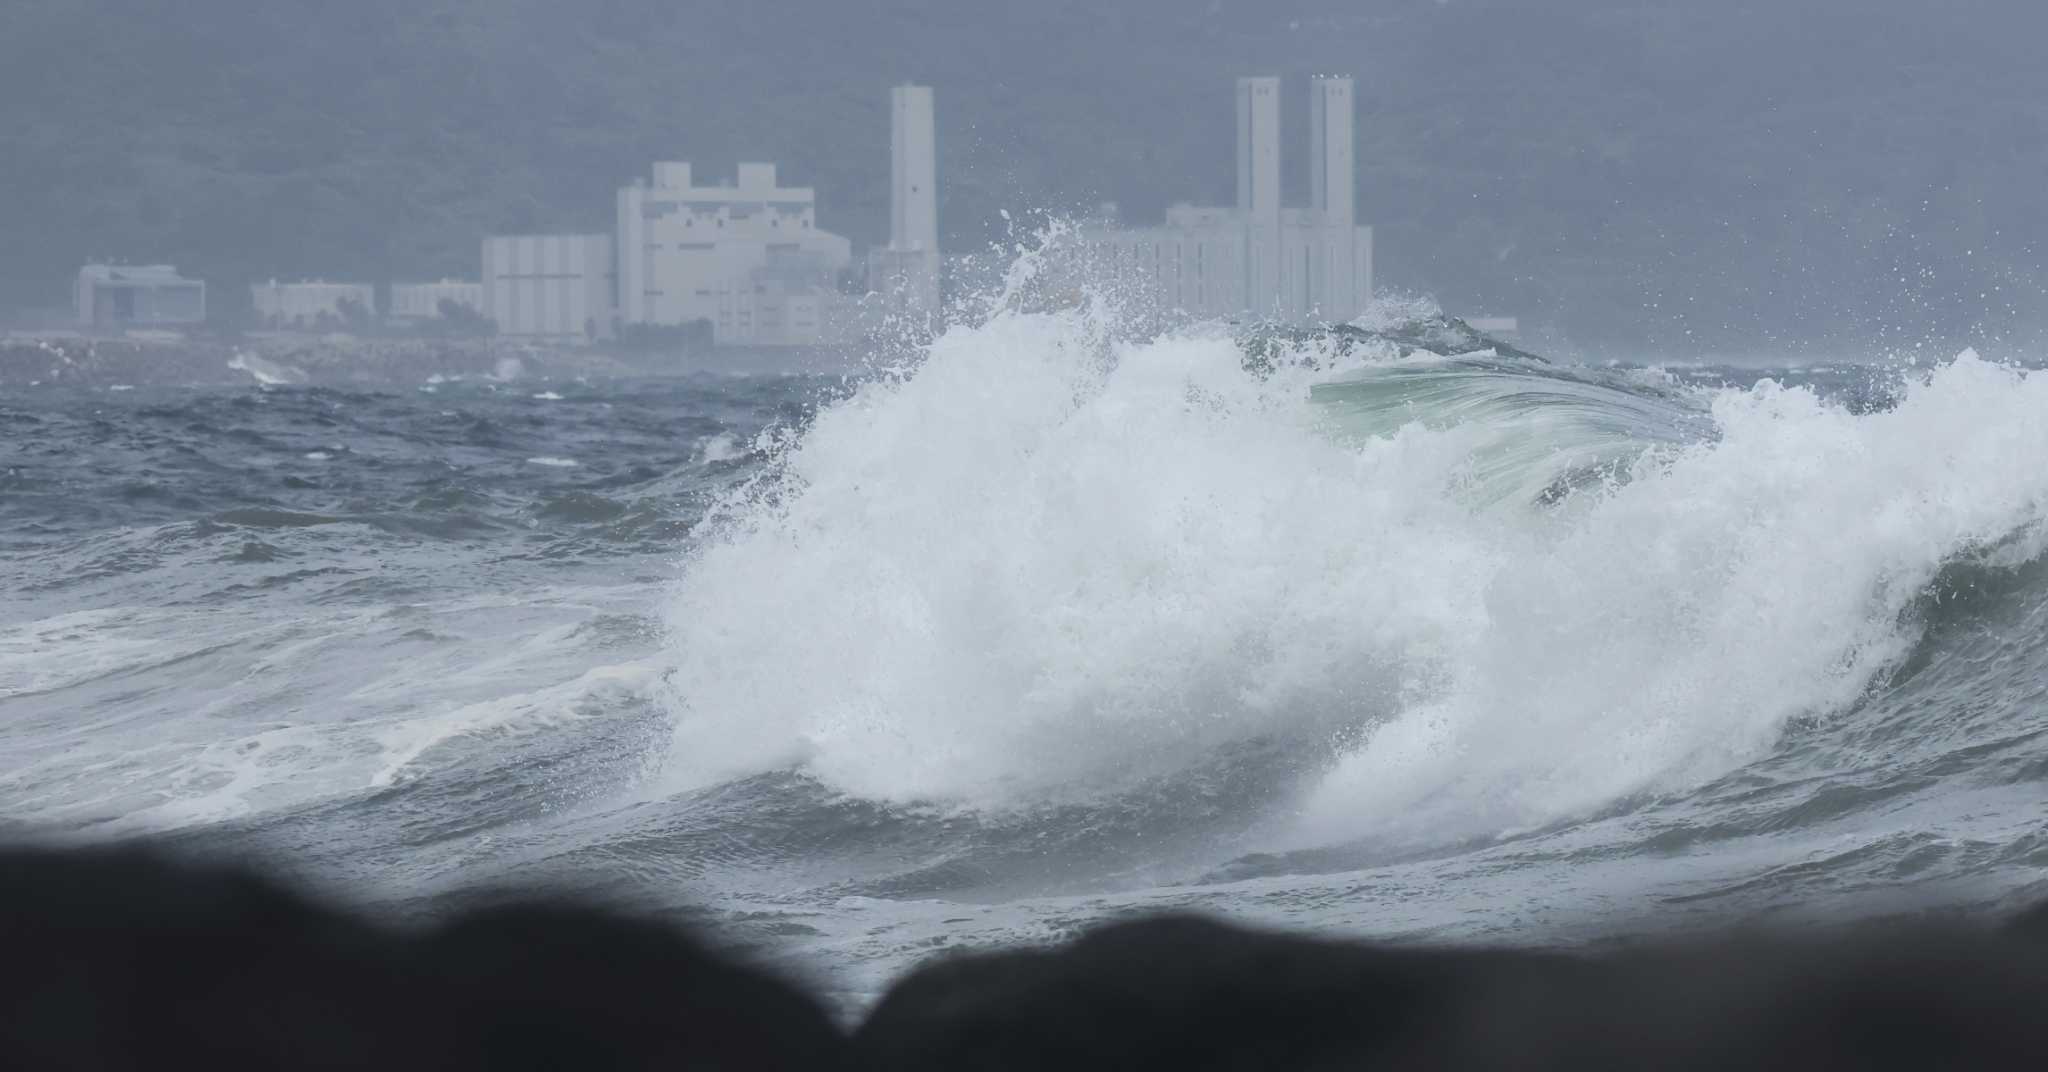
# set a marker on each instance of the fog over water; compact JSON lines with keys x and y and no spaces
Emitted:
{"x":1664,"y":177}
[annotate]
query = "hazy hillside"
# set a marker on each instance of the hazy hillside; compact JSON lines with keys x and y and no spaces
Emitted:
{"x":1619,"y":169}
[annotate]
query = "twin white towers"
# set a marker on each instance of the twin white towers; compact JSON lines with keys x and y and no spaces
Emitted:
{"x":1301,"y":264}
{"x":1311,"y":264}
{"x":906,"y":272}
{"x":1257,"y":258}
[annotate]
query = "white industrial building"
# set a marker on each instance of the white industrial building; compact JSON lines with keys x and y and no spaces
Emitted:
{"x":417,"y":302}
{"x":112,"y":297}
{"x":1294,"y":265}
{"x":309,"y":305}
{"x":747,"y":257}
{"x":554,"y":288}
{"x":904,"y":275}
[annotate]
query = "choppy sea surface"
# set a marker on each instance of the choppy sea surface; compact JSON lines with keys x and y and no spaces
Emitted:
{"x":1050,"y":626}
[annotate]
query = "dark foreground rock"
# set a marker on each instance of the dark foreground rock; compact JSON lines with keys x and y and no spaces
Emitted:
{"x":117,"y":959}
{"x":1191,"y":994}
{"x":121,"y":960}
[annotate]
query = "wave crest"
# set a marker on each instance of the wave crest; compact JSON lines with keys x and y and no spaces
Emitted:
{"x":1048,"y":563}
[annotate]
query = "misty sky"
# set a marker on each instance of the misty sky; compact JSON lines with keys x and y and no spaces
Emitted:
{"x":1620,"y":173}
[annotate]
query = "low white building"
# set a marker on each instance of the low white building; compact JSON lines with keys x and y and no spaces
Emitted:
{"x":1507,"y":329}
{"x":113,"y":297}
{"x":311,"y":305}
{"x":746,"y":257}
{"x":1194,"y":264}
{"x":555,"y":288}
{"x":419,"y":302}
{"x":1293,"y":265}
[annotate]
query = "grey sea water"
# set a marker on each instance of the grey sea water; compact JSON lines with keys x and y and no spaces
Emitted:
{"x":1050,"y":630}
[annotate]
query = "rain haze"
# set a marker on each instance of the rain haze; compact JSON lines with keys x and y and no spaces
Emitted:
{"x":882,"y":477}
{"x":1671,"y":178}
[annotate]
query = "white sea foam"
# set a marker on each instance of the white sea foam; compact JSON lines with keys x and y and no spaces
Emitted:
{"x":719,"y":448}
{"x":255,"y":738}
{"x":266,"y":373}
{"x":1045,"y":560}
{"x":1044,"y":563}
{"x":1669,"y":632}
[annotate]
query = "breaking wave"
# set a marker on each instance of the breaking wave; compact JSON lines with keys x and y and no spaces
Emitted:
{"x":1456,"y":594}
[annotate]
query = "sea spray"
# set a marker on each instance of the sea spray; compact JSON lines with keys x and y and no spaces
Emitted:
{"x":1668,"y":633}
{"x":1047,"y":563}
{"x":1035,"y":564}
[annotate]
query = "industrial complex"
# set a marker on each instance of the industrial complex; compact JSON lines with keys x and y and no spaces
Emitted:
{"x":747,"y":257}
{"x":743,"y":261}
{"x":1286,"y":264}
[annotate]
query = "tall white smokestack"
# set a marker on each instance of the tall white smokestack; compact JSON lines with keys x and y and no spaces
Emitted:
{"x":1258,"y":187}
{"x":1258,"y":148}
{"x":914,"y":196}
{"x":1333,"y":182}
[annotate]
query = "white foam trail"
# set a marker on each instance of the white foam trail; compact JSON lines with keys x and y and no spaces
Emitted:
{"x":306,"y":710}
{"x":1047,"y":563}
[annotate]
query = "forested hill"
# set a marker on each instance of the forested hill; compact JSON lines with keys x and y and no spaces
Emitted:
{"x":1741,"y":170}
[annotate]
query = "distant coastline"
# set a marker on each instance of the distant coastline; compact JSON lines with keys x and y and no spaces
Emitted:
{"x":31,"y":361}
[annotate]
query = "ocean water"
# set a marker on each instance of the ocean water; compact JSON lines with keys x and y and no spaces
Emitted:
{"x":1053,"y":624}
